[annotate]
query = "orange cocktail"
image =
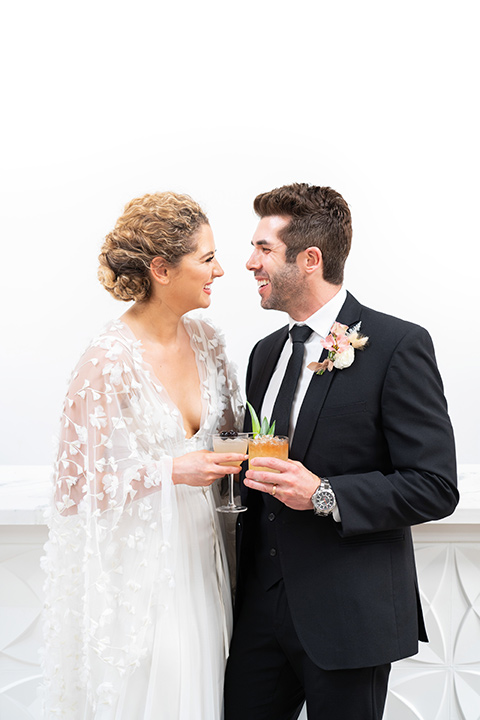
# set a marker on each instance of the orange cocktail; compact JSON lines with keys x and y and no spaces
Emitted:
{"x":275,"y":446}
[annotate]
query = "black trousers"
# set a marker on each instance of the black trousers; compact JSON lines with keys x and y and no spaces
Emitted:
{"x":269,"y":676}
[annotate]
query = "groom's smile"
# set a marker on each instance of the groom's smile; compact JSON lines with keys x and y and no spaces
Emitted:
{"x":261,"y":283}
{"x":278,"y":281}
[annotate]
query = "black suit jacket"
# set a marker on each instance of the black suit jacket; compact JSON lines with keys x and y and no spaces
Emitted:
{"x":380,"y":432}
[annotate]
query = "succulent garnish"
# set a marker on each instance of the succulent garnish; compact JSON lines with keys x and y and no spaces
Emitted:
{"x":260,"y":428}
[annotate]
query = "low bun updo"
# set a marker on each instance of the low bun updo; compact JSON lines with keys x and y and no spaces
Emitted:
{"x":157,"y":225}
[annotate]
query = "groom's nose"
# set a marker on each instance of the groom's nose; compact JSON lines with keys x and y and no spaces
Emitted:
{"x":253,"y":262}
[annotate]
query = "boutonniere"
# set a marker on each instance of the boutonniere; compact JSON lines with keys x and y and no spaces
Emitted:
{"x":341,"y":344}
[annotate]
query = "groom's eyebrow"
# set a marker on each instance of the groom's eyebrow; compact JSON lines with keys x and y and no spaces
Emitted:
{"x":260,"y":242}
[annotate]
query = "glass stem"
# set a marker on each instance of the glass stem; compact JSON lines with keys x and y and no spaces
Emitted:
{"x":231,"y":499}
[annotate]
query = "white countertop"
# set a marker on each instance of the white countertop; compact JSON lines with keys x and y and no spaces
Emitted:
{"x":24,"y":494}
{"x":25,"y":490}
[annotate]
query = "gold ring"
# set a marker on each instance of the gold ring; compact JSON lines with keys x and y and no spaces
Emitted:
{"x":274,"y":490}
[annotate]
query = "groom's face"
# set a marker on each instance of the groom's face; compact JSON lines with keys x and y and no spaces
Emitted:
{"x":279,"y":282}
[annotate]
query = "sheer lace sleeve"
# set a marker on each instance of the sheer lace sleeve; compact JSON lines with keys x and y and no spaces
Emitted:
{"x":110,"y":556}
{"x":109,"y":453}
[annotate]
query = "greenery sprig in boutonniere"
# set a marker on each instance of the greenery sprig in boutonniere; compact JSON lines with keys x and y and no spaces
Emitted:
{"x":260,"y":428}
{"x":341,"y":344}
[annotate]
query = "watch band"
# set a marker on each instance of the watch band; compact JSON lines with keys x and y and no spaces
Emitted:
{"x":323,"y":499}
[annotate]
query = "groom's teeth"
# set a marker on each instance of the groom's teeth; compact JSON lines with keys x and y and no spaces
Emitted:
{"x":261,"y":283}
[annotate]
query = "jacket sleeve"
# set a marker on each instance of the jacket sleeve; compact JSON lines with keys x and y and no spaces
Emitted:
{"x":421,"y":485}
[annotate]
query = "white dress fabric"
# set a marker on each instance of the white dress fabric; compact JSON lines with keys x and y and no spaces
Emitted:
{"x":138,"y":613}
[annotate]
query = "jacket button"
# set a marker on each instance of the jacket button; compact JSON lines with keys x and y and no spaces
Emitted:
{"x":273,"y":552}
{"x":271,"y":516}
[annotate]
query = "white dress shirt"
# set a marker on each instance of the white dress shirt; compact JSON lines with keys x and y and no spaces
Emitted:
{"x":321,"y":323}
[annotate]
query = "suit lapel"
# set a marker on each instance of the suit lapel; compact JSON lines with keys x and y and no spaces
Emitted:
{"x":316,"y":393}
{"x":311,"y":407}
{"x":318,"y":389}
{"x":261,"y":377}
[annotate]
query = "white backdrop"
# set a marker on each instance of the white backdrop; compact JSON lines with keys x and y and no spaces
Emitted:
{"x":106,"y":100}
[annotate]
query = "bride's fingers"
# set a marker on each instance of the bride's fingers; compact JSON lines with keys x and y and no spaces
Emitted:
{"x":221,"y":470}
{"x":227,"y":468}
{"x":226,"y":458}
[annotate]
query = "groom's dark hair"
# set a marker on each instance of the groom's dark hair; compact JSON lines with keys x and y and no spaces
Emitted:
{"x":319,"y":216}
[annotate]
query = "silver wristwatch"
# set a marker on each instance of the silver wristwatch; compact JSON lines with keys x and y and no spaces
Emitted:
{"x":323,"y":499}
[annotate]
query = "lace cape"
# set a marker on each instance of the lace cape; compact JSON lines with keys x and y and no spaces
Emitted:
{"x":114,"y":557}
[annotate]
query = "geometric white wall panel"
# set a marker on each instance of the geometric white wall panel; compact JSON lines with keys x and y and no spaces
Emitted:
{"x":21,"y":599}
{"x":442,"y":682}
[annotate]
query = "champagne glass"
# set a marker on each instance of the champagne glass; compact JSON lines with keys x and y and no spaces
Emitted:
{"x":230,"y":443}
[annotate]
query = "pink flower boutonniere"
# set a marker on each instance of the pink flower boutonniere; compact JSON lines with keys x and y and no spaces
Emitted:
{"x":341,"y":344}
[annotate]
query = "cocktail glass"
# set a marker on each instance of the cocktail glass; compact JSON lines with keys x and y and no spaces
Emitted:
{"x":275,"y":446}
{"x":231,"y":444}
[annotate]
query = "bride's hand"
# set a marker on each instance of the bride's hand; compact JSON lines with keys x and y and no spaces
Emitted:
{"x":203,"y":467}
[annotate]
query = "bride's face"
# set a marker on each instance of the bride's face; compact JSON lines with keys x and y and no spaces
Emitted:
{"x":193,"y":277}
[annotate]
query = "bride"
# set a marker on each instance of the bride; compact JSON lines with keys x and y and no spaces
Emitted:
{"x":138,"y":610}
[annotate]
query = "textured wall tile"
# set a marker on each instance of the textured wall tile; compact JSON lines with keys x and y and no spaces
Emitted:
{"x":442,"y":682}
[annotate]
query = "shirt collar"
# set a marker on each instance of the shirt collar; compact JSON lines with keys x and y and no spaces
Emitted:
{"x":322,"y":320}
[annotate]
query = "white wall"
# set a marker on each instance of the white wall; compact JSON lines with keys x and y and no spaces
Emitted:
{"x":106,"y":100}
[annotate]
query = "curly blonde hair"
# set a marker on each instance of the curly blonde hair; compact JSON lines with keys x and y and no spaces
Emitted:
{"x":157,"y":225}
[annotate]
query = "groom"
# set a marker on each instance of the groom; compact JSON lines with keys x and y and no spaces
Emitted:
{"x":327,"y":591}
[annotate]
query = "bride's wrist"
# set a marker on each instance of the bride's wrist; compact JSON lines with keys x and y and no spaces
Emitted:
{"x":178,"y":476}
{"x":175,"y":471}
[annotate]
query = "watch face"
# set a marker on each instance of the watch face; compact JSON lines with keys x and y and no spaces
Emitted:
{"x":324,"y":501}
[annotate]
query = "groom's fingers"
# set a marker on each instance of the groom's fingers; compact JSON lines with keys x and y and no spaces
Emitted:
{"x":293,"y":483}
{"x":271,"y":463}
{"x":261,"y":481}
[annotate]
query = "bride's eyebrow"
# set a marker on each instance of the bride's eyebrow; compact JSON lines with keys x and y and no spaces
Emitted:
{"x":210,"y":252}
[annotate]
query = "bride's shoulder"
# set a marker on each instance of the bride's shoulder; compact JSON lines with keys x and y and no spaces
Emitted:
{"x":115,"y":340}
{"x":112,"y":352}
{"x":202,"y":328}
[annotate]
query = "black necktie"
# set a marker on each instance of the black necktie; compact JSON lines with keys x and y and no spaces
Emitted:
{"x":283,"y":404}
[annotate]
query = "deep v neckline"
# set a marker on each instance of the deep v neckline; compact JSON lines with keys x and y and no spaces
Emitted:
{"x":155,"y":380}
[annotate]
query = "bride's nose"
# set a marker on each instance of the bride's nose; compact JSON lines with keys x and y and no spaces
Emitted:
{"x":217,"y":269}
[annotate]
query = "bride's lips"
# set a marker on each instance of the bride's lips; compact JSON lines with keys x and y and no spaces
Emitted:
{"x":208,"y":288}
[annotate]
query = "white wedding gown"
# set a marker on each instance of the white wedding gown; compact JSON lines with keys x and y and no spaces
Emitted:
{"x":138,"y":610}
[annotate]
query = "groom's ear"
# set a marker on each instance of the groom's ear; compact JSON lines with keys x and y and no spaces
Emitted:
{"x":311,"y":259}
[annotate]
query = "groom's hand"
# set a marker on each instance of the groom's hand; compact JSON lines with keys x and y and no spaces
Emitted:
{"x":292,"y":484}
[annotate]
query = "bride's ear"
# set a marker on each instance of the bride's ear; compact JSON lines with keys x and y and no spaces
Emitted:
{"x":160,"y":270}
